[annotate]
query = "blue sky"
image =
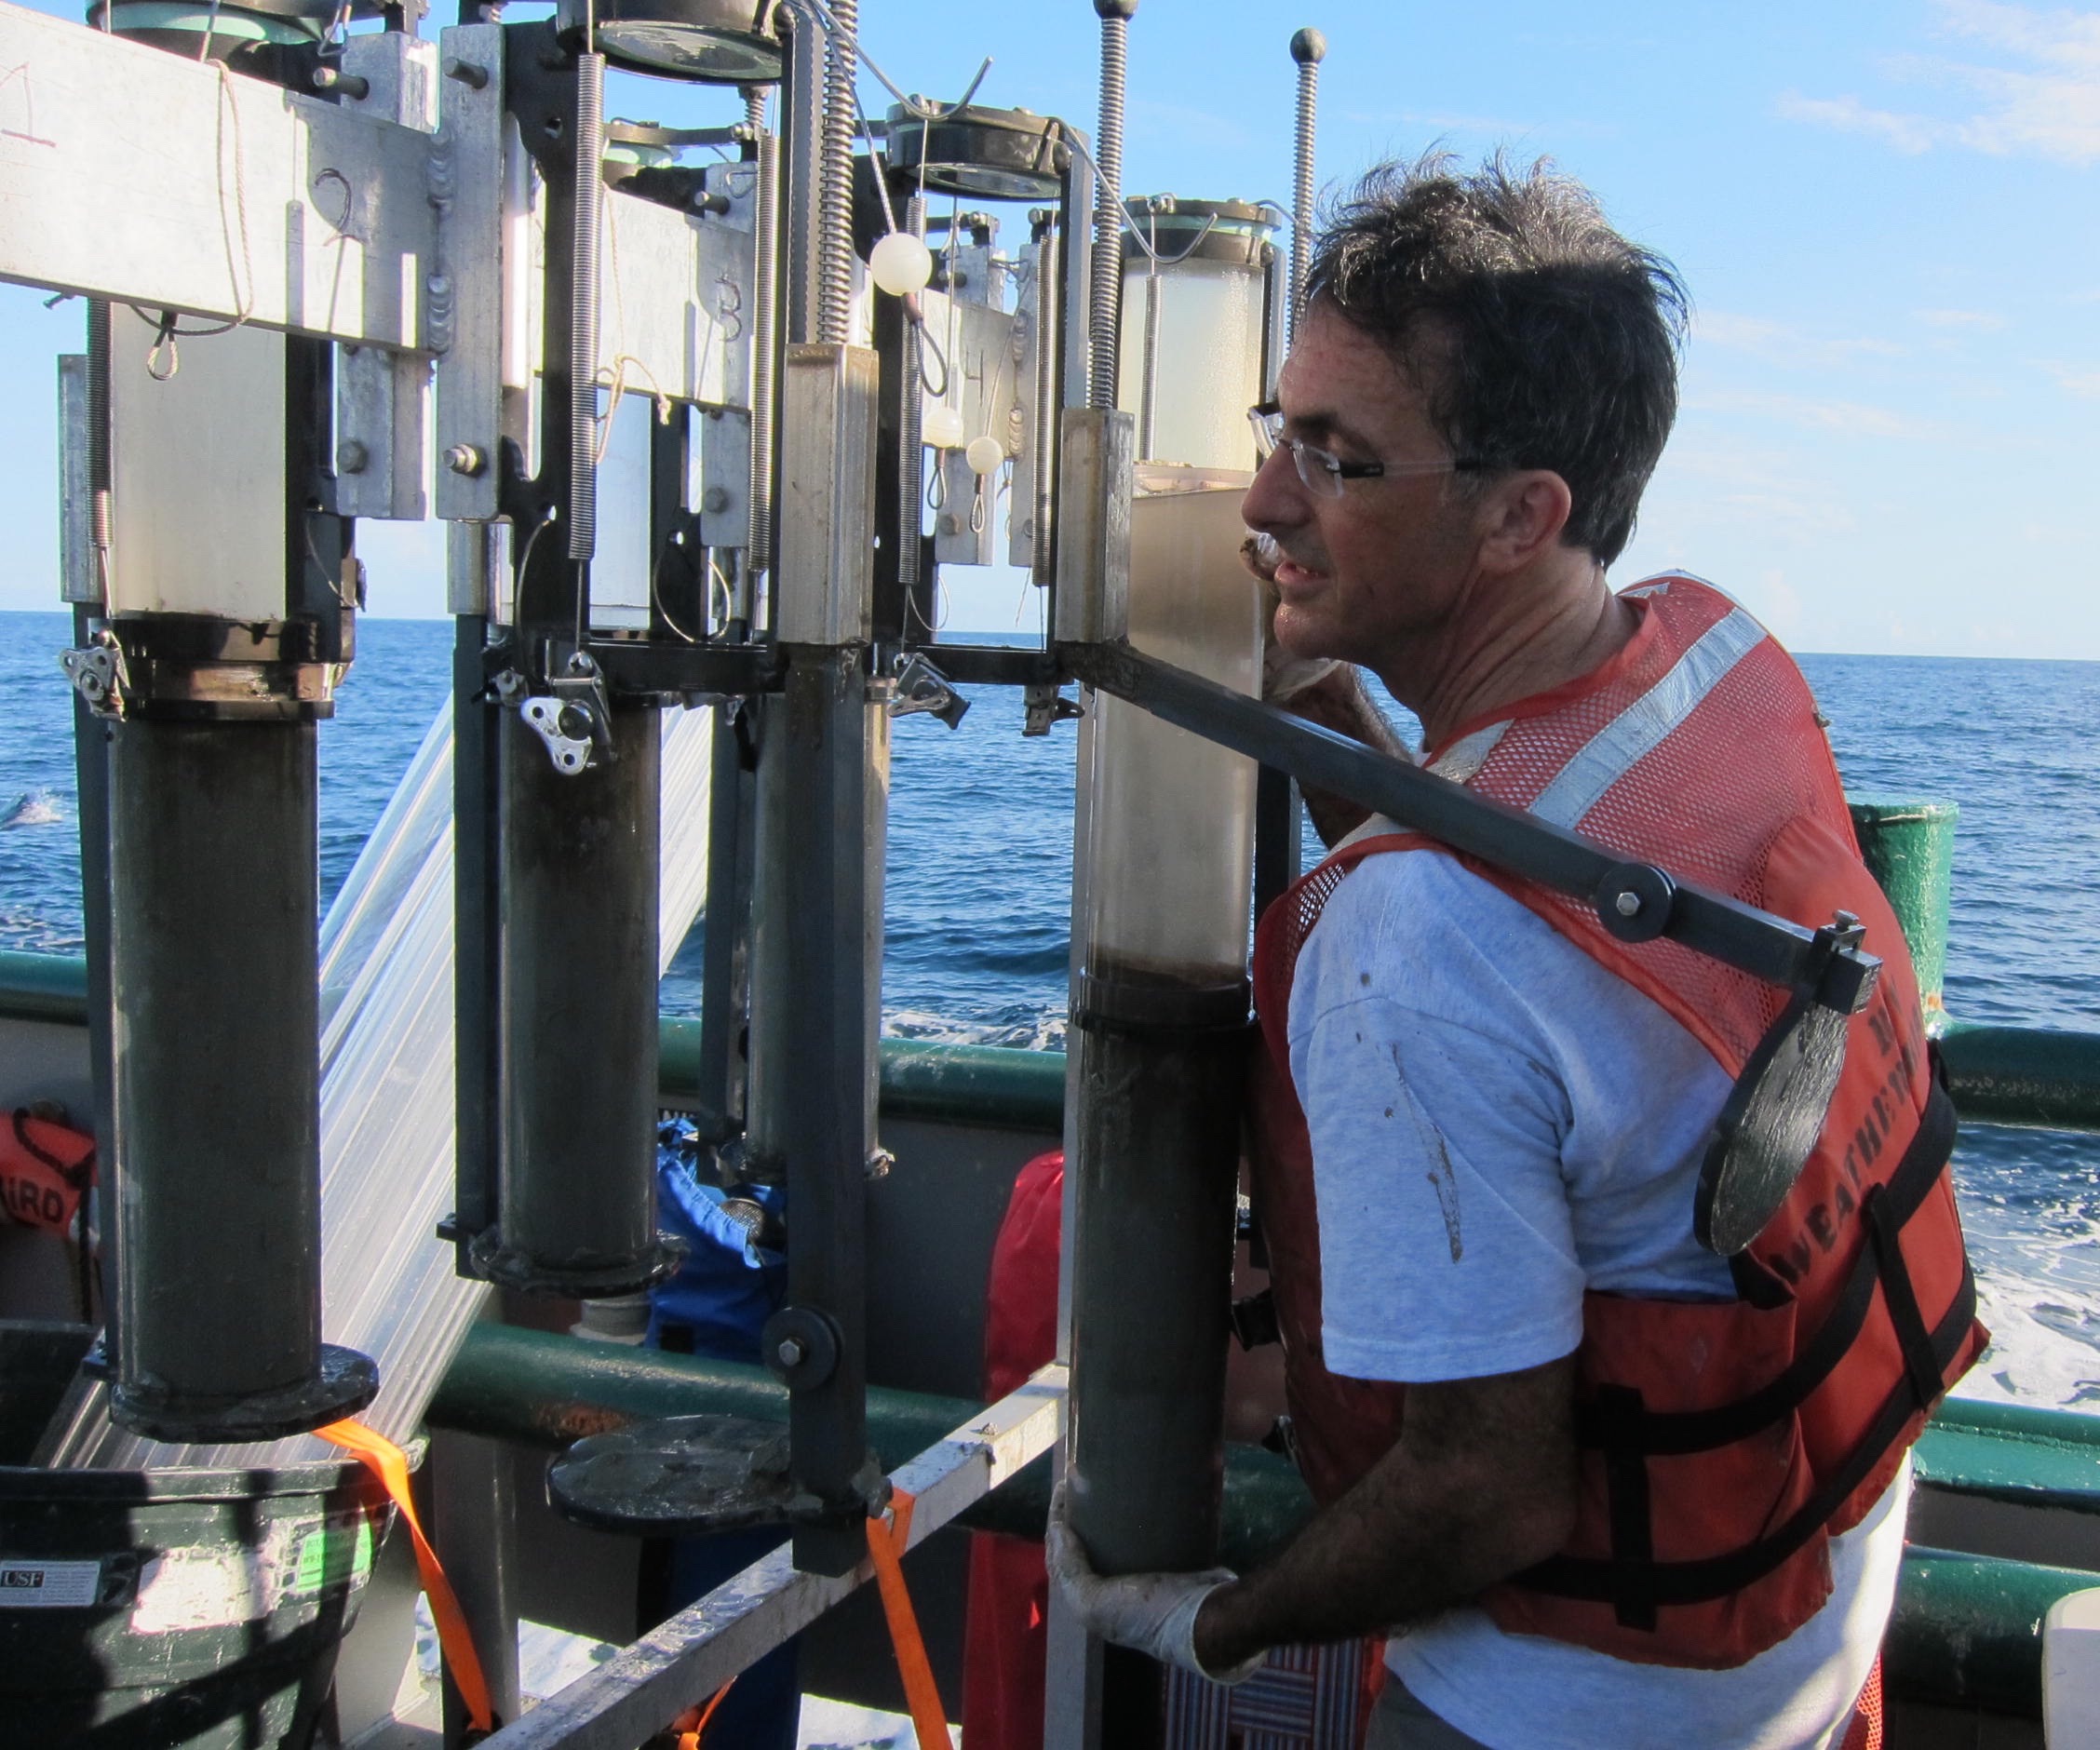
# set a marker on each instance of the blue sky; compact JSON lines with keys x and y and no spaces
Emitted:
{"x":1886,"y":214}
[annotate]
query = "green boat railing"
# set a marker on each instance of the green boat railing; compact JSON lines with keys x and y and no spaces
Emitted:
{"x":1966,"y":1633}
{"x":1966,"y":1630}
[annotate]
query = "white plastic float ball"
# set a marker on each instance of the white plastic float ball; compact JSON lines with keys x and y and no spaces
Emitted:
{"x":984,"y":454}
{"x":900,"y":263}
{"x":941,"y":428}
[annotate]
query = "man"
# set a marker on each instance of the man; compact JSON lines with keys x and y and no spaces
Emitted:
{"x":1631,"y":1500}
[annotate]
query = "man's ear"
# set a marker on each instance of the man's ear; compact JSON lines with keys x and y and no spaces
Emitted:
{"x":1521,"y":517}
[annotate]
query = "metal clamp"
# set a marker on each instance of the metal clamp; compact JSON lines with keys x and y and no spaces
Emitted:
{"x":1044,"y":704}
{"x":98,"y":675}
{"x":574,"y":717}
{"x":569,"y":729}
{"x":921,"y":687}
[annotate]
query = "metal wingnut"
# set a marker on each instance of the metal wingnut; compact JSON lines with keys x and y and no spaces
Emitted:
{"x":1849,"y":972}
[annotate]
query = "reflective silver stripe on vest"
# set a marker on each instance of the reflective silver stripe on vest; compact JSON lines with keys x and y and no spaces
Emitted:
{"x":1647,"y":721}
{"x":1374,"y":827}
{"x":1461,"y":760}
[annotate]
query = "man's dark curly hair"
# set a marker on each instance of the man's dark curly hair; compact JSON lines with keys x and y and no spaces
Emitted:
{"x":1541,"y":337}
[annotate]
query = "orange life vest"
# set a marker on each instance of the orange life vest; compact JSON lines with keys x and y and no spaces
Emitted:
{"x":45,"y":1168}
{"x":1722,"y":1443}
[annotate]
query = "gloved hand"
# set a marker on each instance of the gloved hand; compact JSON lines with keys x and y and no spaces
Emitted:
{"x":1154,"y":1613}
{"x":1284,"y":676}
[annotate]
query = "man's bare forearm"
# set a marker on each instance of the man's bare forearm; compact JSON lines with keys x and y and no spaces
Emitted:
{"x":1462,"y":1501}
{"x":1343,"y":702}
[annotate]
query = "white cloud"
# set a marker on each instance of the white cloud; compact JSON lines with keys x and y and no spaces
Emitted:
{"x":1981,"y":321}
{"x":1782,"y":344}
{"x":1712,"y":480}
{"x":2039,"y":97}
{"x":2081,"y":382}
{"x":1846,"y":418}
{"x":1908,"y":134}
{"x":1778,"y":604}
{"x":1454,"y":122}
{"x":1188,"y":126}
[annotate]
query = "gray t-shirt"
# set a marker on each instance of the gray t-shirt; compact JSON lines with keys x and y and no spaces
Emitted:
{"x":1497,"y":1123}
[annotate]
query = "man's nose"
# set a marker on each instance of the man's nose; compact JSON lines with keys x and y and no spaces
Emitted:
{"x":1276,"y":497}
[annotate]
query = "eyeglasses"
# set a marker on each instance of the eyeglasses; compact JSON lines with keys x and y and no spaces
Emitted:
{"x":1322,"y":470}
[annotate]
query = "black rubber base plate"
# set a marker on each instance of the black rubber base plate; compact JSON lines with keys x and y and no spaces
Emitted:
{"x":685,"y":1475}
{"x":597,"y":1280}
{"x":345,"y":1383}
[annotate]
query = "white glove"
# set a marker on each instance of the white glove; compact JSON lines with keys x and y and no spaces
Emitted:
{"x":1284,"y":676}
{"x":1154,"y":1613}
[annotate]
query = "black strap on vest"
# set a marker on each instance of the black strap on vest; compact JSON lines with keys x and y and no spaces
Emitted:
{"x":1885,"y":1210}
{"x":1627,"y":1434}
{"x":1253,"y":1320}
{"x":1628,"y":1496}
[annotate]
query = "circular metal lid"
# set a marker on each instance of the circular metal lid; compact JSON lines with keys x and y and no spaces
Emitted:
{"x":1180,"y":229}
{"x":986,"y":154}
{"x":715,"y":41}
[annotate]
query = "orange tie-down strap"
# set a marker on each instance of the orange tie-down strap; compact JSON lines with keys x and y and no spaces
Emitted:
{"x":887,"y":1534}
{"x":689,"y":1724}
{"x":386,"y":1461}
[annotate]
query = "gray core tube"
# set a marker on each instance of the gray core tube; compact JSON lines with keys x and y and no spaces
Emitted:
{"x":576,"y":1211}
{"x":217,"y":1085}
{"x":1158,"y":1156}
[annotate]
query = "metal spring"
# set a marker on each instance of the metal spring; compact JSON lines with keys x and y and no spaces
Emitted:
{"x":842,"y":108}
{"x":1107,"y":291}
{"x":583,"y":308}
{"x":765,"y":286}
{"x":1306,"y":48}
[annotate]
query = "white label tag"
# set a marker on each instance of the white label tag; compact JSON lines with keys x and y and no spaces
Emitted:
{"x":29,"y":1585}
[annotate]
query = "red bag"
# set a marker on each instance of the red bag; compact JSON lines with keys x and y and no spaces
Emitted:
{"x":1007,"y":1634}
{"x":46,"y":1167}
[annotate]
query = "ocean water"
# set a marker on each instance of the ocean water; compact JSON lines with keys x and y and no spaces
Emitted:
{"x":980,"y":860}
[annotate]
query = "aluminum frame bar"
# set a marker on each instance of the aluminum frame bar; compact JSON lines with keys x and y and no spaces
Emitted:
{"x":694,"y":1653}
{"x":1769,"y":948}
{"x":208,"y":192}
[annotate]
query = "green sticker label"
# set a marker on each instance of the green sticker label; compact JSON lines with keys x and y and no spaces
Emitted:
{"x":338,"y":1551}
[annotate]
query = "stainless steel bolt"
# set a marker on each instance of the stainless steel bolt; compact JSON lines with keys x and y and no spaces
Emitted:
{"x":351,"y":457}
{"x":465,"y":459}
{"x":790,"y":1351}
{"x":1628,"y":904}
{"x":334,"y":79}
{"x":714,"y":500}
{"x":471,"y":73}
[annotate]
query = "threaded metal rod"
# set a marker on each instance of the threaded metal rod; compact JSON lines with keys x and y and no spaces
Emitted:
{"x":842,"y":108}
{"x":583,"y":308}
{"x":1306,"y":47}
{"x":1107,"y":205}
{"x":764,"y":329}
